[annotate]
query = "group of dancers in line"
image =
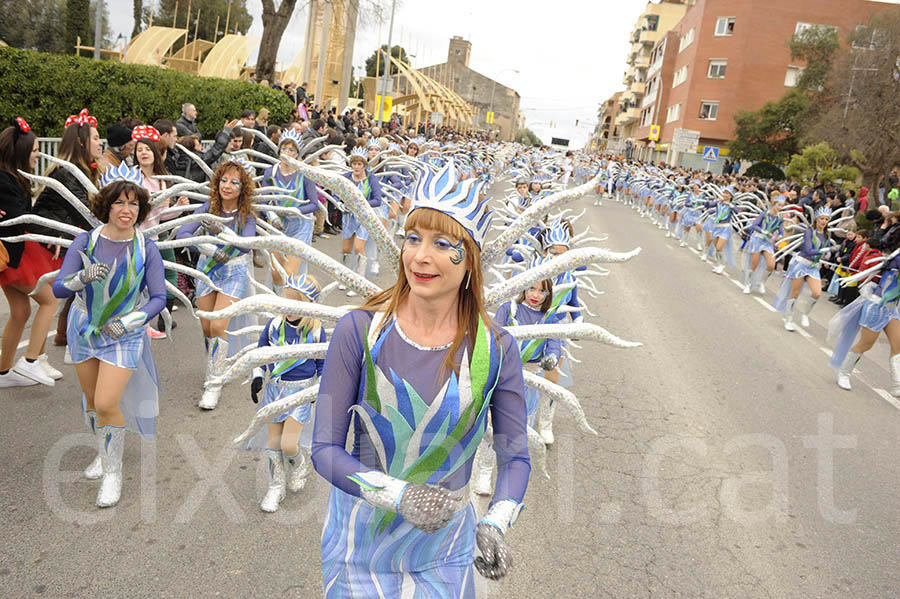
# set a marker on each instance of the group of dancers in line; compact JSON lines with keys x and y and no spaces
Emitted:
{"x":680,"y":202}
{"x":421,"y":374}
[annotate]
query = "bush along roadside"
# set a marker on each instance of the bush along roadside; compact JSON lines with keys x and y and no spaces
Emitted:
{"x":45,"y":89}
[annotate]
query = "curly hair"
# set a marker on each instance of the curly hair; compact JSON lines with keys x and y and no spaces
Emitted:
{"x":101,"y":203}
{"x":245,"y":200}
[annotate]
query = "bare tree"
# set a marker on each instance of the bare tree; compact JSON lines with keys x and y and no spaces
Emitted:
{"x":138,"y":11}
{"x":860,"y":105}
{"x":275,"y":21}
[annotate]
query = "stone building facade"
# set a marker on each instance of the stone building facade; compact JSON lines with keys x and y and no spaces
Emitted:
{"x":477,"y":89}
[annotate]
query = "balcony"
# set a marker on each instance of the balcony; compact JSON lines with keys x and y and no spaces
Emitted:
{"x":638,"y":88}
{"x":649,"y":37}
{"x":641,"y":61}
{"x":629,"y":116}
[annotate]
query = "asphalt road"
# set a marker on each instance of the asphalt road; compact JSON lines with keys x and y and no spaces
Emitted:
{"x":728,"y":464}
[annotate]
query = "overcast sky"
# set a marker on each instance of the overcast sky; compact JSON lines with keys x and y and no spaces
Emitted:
{"x":570,"y":54}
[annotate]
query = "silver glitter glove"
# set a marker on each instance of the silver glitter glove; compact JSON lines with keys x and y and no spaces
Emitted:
{"x":496,"y":558}
{"x":213,"y":227}
{"x":221,"y":256}
{"x":549,"y":362}
{"x":94,"y":272}
{"x":114,"y":329}
{"x":427,"y":507}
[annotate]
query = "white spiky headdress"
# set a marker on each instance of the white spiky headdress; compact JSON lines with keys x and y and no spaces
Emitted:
{"x":290,"y":135}
{"x":123,"y":172}
{"x":361,"y":152}
{"x":557,"y":234}
{"x":460,"y":200}
{"x":823,"y":211}
{"x":243,"y":163}
{"x":305,"y":285}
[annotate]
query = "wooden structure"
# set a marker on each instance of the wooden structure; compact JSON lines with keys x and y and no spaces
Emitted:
{"x":229,"y":57}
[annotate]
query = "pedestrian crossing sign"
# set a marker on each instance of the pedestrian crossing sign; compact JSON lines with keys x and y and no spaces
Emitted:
{"x":710,"y":154}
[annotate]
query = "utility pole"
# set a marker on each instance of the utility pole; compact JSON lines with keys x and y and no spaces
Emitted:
{"x":98,"y":29}
{"x":387,"y":65}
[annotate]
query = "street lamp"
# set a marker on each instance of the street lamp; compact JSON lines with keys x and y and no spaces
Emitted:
{"x":494,"y":88}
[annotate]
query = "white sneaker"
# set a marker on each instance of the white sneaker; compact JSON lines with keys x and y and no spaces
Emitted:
{"x":719,"y":269}
{"x":50,"y":370}
{"x":703,"y":258}
{"x":762,"y":288}
{"x":351,"y":293}
{"x":804,"y":321}
{"x":790,"y":326}
{"x":14,"y":379}
{"x":33,"y":371}
{"x":67,"y":359}
{"x":682,"y":244}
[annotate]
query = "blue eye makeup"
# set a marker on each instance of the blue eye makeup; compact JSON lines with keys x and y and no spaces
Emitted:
{"x":413,"y":238}
{"x":234,"y":182}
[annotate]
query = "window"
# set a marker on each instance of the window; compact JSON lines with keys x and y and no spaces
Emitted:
{"x":725,"y":26}
{"x":457,"y":51}
{"x":792,"y":76}
{"x":709,"y":111}
{"x":802,"y":27}
{"x":717,"y":69}
{"x":686,"y":40}
{"x":674,"y":113}
{"x":680,"y":76}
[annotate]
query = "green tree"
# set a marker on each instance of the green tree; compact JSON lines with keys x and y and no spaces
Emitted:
{"x":397,"y":52}
{"x":817,"y":46}
{"x":34,"y":24}
{"x":770,"y":134}
{"x":820,"y":163}
{"x":527,"y":136}
{"x":77,"y":23}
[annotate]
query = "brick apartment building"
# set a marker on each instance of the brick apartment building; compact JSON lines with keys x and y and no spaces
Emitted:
{"x":724,"y":56}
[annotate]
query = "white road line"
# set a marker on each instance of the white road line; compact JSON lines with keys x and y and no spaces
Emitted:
{"x":25,"y":343}
{"x":803,"y":333}
{"x":670,"y":247}
{"x":887,"y":397}
{"x":765,"y":304}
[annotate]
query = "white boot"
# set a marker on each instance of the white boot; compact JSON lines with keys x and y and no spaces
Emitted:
{"x":719,"y":262}
{"x":298,"y":471}
{"x":346,"y":260}
{"x":843,"y":375}
{"x":361,"y":262}
{"x":275,"y":493}
{"x":112,"y":446}
{"x":218,"y":353}
{"x":895,"y":375}
{"x":484,"y":467}
{"x":545,"y":422}
{"x":762,"y":284}
{"x":95,"y":470}
{"x":804,"y":315}
{"x":789,"y":316}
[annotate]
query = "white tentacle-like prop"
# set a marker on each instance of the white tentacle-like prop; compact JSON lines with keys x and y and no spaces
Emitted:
{"x":203,"y":166}
{"x":548,"y":270}
{"x":276,"y":305}
{"x":531,"y":215}
{"x":269,"y":354}
{"x":34,"y":219}
{"x":562,"y":395}
{"x":63,"y":191}
{"x":268,"y":413}
{"x":576,"y":330}
{"x":77,"y":172}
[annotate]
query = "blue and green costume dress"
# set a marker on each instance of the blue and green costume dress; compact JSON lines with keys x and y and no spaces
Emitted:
{"x":306,"y":199}
{"x":414,"y":423}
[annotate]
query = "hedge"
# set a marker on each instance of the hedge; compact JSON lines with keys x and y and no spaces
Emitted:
{"x":46,"y":88}
{"x":765,"y":170}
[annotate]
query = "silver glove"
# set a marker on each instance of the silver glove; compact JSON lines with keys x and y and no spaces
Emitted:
{"x":427,"y":507}
{"x":496,"y":558}
{"x":221,"y":256}
{"x":114,"y":329}
{"x":213,"y":227}
{"x":94,"y":272}
{"x":549,"y":362}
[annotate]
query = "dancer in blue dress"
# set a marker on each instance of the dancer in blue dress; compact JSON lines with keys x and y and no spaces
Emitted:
{"x":285,"y":177}
{"x":722,"y":231}
{"x":287,"y":464}
{"x":231,"y":192}
{"x":765,"y":231}
{"x":413,"y":376}
{"x":353,"y":233}
{"x":118,"y":281}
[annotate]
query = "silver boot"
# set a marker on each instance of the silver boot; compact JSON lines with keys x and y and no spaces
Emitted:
{"x":112,"y":446}
{"x":298,"y":471}
{"x":895,"y":375}
{"x":95,"y":470}
{"x":361,"y":263}
{"x":545,"y":421}
{"x":789,"y":316}
{"x":275,"y":493}
{"x":218,"y":353}
{"x":346,"y":260}
{"x":484,"y":467}
{"x":804,"y":315}
{"x":843,"y":375}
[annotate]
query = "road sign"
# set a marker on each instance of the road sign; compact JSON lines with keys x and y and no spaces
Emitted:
{"x":490,"y":118}
{"x":654,"y":132}
{"x":710,"y":154}
{"x":436,"y":118}
{"x":388,"y":104}
{"x":685,"y":140}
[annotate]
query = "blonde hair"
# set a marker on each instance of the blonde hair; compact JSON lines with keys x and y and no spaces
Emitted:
{"x":470,"y":303}
{"x":306,"y":323}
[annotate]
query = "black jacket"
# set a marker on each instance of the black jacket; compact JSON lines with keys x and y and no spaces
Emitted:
{"x":13,"y":202}
{"x":184,"y":165}
{"x":55,"y":207}
{"x":186,"y":127}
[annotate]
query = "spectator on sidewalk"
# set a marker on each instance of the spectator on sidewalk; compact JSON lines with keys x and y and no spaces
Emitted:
{"x":185,"y":123}
{"x":118,"y":147}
